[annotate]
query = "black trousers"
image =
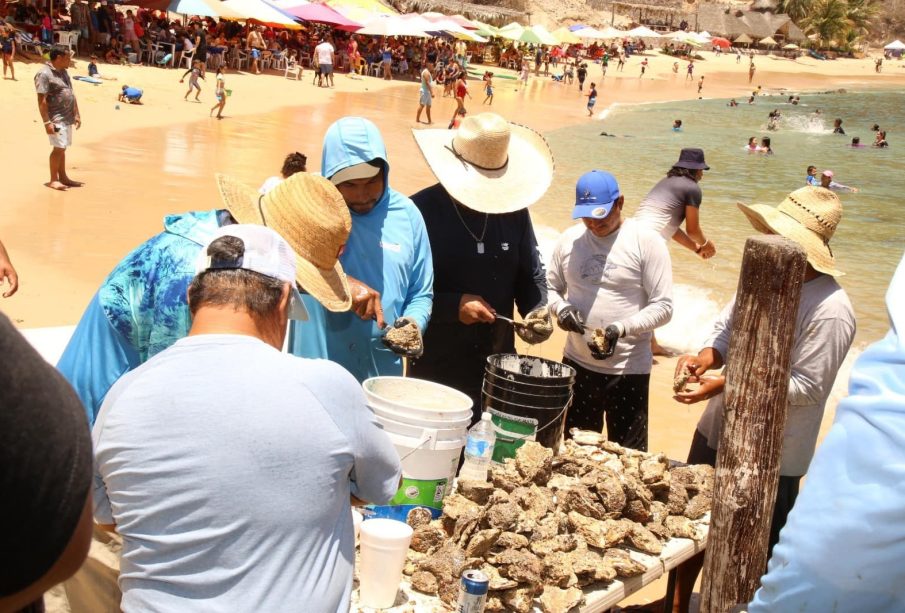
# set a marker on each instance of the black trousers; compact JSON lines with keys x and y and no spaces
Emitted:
{"x":620,"y":400}
{"x":702,"y":453}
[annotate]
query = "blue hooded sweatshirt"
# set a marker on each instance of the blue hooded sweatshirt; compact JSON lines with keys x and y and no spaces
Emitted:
{"x":139,"y":310}
{"x":388,"y":250}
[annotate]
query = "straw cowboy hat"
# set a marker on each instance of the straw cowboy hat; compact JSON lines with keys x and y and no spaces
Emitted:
{"x":310,"y":213}
{"x":489,"y":164}
{"x":809,"y":216}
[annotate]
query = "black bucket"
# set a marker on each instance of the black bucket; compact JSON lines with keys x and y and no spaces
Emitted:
{"x":528,"y":398}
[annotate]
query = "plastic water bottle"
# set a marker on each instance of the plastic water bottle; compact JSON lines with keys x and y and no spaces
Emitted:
{"x":478,"y":450}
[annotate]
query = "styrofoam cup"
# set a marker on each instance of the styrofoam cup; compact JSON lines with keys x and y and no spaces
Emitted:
{"x":384,"y":544}
{"x":356,"y":522}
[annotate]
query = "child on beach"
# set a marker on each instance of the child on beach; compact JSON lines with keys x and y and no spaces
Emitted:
{"x":621,"y":63}
{"x":582,"y":74}
{"x":488,"y":88}
{"x":461,"y":90}
{"x":220,"y":94}
{"x":8,"y":49}
{"x":675,"y":67}
{"x":689,"y":73}
{"x":132,"y":95}
{"x":643,"y":67}
{"x":523,"y":77}
{"x":592,"y":99}
{"x":294,"y":163}
{"x":195,"y":71}
{"x":701,"y":84}
{"x":93,"y":71}
{"x":568,"y":74}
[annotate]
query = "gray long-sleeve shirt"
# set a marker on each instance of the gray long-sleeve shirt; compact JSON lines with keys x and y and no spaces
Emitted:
{"x":624,"y":277}
{"x":824,"y":330}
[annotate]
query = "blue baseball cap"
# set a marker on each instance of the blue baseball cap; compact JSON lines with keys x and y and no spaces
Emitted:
{"x":595,"y":194}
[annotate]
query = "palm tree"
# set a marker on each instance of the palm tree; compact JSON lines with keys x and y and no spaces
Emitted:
{"x":828,"y":20}
{"x":859,"y":14}
{"x":796,"y":9}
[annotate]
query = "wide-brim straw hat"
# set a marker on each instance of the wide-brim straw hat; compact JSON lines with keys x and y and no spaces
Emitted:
{"x":809,"y":216}
{"x":310,"y":213}
{"x":489,"y":164}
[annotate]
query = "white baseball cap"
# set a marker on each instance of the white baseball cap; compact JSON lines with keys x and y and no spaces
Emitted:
{"x":266,"y":253}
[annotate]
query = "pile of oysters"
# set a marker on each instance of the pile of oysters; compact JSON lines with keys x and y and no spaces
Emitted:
{"x":544,"y":528}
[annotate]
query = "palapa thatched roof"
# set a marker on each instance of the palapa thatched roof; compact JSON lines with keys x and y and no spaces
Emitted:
{"x":663,"y":6}
{"x":722,"y":21}
{"x":482,"y":12}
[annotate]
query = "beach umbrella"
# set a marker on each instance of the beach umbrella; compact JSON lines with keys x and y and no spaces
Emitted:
{"x":263,"y":12}
{"x":577,"y":26}
{"x":468,"y":24}
{"x":643,"y":32}
{"x":611,"y":32}
{"x":590,"y":34}
{"x":790,"y":46}
{"x":202,"y":8}
{"x":720,"y":42}
{"x":743,"y":38}
{"x":320,"y":13}
{"x":768,"y":41}
{"x":485,"y":29}
{"x":389,"y":25}
{"x":546,"y":38}
{"x":895,"y":45}
{"x":564,"y":35}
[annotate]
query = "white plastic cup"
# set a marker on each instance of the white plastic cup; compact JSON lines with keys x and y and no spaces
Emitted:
{"x":384,"y":544}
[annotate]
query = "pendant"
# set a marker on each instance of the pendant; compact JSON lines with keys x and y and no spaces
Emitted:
{"x":480,"y":247}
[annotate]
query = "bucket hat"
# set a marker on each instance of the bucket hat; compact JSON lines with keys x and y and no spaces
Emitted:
{"x":692,"y":159}
{"x":310,"y":213}
{"x":489,"y":164}
{"x":809,"y":216}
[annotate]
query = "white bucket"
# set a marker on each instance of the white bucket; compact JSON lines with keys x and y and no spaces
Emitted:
{"x":428,"y":424}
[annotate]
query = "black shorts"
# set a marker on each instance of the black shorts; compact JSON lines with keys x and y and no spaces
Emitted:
{"x":786,"y":493}
{"x":620,"y":400}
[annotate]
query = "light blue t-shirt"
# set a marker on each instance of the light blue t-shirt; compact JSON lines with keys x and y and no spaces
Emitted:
{"x":227,"y":468}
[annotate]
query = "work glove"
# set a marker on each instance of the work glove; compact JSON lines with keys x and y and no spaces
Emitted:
{"x":569,"y":319}
{"x":537,"y":327}
{"x":603,"y":342}
{"x":404,"y":338}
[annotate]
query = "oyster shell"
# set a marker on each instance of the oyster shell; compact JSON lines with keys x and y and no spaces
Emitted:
{"x":481,"y":542}
{"x":587,"y":437}
{"x":591,"y":567}
{"x":477,"y":491}
{"x":623,"y":563}
{"x":556,"y":600}
{"x":534,"y":462}
{"x":598,"y":533}
{"x":682,"y":527}
{"x":503,"y":516}
{"x":520,"y":599}
{"x":427,"y":538}
{"x":519,"y":565}
{"x":698,"y":506}
{"x":644,"y":540}
{"x":558,"y":570}
{"x":559,"y":543}
{"x":419,"y":516}
{"x":425,"y":582}
{"x":456,"y":505}
{"x":680,"y":382}
{"x":497,"y":581}
{"x":511,"y":540}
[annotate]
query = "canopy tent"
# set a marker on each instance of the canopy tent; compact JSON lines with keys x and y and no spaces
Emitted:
{"x":564,"y":35}
{"x":261,"y":11}
{"x":743,"y":39}
{"x":688,"y":40}
{"x":319,"y":13}
{"x":440,"y":23}
{"x":468,"y":24}
{"x":790,"y":46}
{"x":723,"y":43}
{"x":768,"y":41}
{"x":642,"y":32}
{"x":594,"y":34}
{"x":611,"y":32}
{"x":390,"y":25}
{"x":895,"y":45}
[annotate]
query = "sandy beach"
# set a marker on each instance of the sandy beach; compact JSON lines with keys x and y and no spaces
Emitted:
{"x":142,"y":162}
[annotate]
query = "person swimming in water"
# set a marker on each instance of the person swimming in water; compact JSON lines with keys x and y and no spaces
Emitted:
{"x":812,"y":179}
{"x":677,"y":125}
{"x":752,"y":144}
{"x":856,"y":142}
{"x":765,"y":146}
{"x":837,"y":126}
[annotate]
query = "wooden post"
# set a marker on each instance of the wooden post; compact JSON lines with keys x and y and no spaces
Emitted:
{"x":754,"y":416}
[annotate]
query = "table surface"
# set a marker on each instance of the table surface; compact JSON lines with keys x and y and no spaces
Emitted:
{"x":598,"y":598}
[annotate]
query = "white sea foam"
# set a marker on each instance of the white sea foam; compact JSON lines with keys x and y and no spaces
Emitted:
{"x":806,"y":124}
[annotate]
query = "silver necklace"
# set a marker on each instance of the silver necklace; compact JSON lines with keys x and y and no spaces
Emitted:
{"x":478,"y":239}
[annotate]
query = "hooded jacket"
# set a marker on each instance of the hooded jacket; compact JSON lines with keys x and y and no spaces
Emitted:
{"x":388,"y":250}
{"x":140,"y":309}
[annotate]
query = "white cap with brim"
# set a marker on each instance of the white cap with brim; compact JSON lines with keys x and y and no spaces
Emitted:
{"x":266,"y":253}
{"x":365,"y":170}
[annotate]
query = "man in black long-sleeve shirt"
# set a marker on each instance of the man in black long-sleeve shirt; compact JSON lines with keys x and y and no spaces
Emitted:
{"x":484,"y":248}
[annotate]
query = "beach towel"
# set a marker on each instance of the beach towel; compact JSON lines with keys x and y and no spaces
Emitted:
{"x":91,"y":80}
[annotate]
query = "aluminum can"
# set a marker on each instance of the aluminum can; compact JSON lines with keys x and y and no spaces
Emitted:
{"x":473,"y":591}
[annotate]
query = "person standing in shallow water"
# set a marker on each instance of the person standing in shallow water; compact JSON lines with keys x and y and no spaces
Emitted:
{"x":220,"y":95}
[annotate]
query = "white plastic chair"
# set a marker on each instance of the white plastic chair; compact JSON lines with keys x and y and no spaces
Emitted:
{"x":375,"y":69}
{"x":187,"y":59}
{"x":294,"y":68}
{"x":67,"y":39}
{"x":239,"y":59}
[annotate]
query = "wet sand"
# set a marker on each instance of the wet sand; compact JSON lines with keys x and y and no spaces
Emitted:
{"x":142,"y":162}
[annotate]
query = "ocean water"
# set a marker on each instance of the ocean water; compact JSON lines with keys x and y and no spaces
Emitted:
{"x":868,"y":244}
